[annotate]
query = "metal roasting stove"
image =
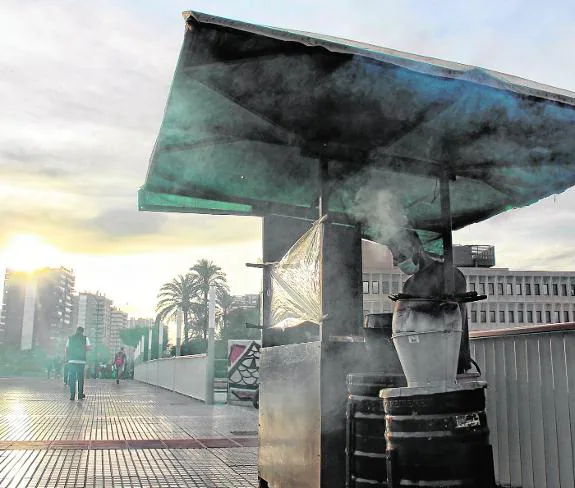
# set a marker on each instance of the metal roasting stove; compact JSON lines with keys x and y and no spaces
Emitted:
{"x":291,"y":126}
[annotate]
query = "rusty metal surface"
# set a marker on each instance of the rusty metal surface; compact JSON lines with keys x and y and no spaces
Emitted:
{"x":302,"y":410}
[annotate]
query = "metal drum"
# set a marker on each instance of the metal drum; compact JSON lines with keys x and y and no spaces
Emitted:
{"x":438,"y":439}
{"x":365,"y":429}
{"x":380,"y":350}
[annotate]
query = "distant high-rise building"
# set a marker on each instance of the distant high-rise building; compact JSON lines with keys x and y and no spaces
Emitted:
{"x":118,"y":322}
{"x":93,"y":313}
{"x":12,"y":316}
{"x":37,"y":308}
{"x":139,"y":322}
{"x":74,"y":315}
{"x":245,"y":301}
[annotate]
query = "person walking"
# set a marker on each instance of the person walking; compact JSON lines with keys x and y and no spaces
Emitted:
{"x":49,"y":366}
{"x":66,"y":368}
{"x":119,"y":363}
{"x":76,"y":348}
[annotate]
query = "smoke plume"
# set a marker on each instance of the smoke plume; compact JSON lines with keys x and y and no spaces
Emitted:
{"x":380,"y":211}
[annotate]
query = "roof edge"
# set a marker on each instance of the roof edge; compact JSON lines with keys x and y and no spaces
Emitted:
{"x":414,"y":62}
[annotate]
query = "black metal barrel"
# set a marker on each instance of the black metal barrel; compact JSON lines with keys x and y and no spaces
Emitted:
{"x":438,"y":439}
{"x":365,"y":427}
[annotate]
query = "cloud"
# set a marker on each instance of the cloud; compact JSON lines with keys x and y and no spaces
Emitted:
{"x":539,"y":237}
{"x":124,"y":231}
{"x":123,"y":222}
{"x":87,"y":87}
{"x":84,"y":87}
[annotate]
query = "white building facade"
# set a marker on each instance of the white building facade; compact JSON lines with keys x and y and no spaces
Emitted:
{"x":94,"y":315}
{"x":518,"y":298}
{"x":118,"y":322}
{"x":249,"y":300}
{"x":514,"y":298}
{"x":37,"y":309}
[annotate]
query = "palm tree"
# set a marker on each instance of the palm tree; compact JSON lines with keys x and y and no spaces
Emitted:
{"x":208,"y":274}
{"x":196,"y":314}
{"x":177,"y":295}
{"x":225,"y":301}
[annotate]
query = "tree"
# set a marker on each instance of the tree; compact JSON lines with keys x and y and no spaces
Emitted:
{"x":177,"y":295}
{"x":194,"y":346}
{"x":165,"y":339}
{"x":225,"y":302}
{"x":157,"y":348}
{"x":236,"y":325}
{"x":205,"y":274}
{"x":131,"y":337}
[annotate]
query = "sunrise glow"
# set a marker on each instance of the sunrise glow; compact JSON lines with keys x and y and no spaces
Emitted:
{"x":27,"y":252}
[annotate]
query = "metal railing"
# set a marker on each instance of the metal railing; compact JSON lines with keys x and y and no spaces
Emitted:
{"x":530,"y":403}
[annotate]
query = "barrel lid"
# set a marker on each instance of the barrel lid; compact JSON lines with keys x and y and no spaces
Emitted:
{"x":430,"y":390}
{"x":391,"y":379}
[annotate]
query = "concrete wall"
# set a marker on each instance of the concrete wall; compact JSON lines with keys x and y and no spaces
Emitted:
{"x":530,"y":403}
{"x":185,"y":374}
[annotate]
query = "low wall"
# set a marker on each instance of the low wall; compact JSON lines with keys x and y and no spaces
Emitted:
{"x":184,"y":374}
{"x":530,"y":403}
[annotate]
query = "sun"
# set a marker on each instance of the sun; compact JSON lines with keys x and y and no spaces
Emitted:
{"x":28,"y":252}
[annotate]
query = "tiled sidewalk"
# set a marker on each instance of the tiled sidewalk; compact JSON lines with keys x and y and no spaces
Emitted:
{"x":131,"y":435}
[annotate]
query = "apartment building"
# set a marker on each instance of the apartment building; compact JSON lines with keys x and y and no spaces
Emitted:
{"x":249,"y":300}
{"x":118,"y":322}
{"x":146,"y":323}
{"x":514,"y":298}
{"x":37,"y":309}
{"x":141,"y":322}
{"x":18,"y":302}
{"x":93,"y":313}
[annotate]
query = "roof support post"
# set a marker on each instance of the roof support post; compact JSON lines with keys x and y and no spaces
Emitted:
{"x":446,"y":228}
{"x":323,"y":206}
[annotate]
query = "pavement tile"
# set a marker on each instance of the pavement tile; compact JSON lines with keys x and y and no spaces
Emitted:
{"x":209,"y":443}
{"x":145,"y":443}
{"x":182,"y":444}
{"x":30,"y":445}
{"x":107,"y":444}
{"x":246,"y":441}
{"x":69,"y":444}
{"x":131,"y":435}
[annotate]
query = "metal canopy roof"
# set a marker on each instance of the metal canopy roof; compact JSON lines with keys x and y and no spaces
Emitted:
{"x":253,"y":109}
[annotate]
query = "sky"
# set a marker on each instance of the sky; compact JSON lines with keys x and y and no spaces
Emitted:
{"x":83,"y":86}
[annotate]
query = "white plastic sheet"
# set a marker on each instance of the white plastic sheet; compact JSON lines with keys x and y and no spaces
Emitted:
{"x":296,"y":282}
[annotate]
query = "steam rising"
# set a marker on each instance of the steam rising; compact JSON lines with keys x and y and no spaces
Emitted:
{"x":379,"y":210}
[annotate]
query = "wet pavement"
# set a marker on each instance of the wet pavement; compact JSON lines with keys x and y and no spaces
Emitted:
{"x":131,"y":435}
